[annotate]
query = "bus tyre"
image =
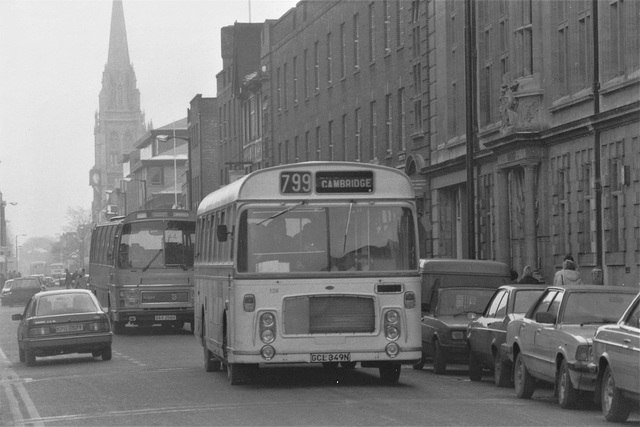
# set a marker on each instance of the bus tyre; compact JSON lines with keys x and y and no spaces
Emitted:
{"x":106,"y":353}
{"x":501,"y":371}
{"x":615,"y":407}
{"x":439,"y":361}
{"x":524,"y":383}
{"x":237,"y":373}
{"x":390,"y":372}
{"x":210,"y":363}
{"x":475,"y":368}
{"x":30,"y":357}
{"x":118,"y":328}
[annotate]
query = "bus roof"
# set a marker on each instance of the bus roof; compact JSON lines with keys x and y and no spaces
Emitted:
{"x":175,"y":214}
{"x":264,"y":184}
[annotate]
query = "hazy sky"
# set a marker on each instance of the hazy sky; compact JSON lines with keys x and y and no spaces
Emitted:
{"x":52,"y":55}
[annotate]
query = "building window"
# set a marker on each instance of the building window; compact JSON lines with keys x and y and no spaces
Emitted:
{"x":417,"y":78}
{"x":329,"y":60}
{"x":296,"y":149}
{"x":356,"y":43}
{"x":278,"y":90}
{"x":417,"y":115}
{"x":388,"y":134}
{"x":305,"y":75}
{"x":330,"y":140}
{"x":156,"y":176}
{"x":563,"y":60}
{"x":284,"y":86}
{"x":585,"y":49}
{"x":295,"y":80}
{"x":399,"y":23}
{"x":372,"y":38}
{"x":306,"y":146}
{"x":343,"y":51}
{"x":486,"y":95}
{"x":316,"y":66}
{"x":344,"y":137}
{"x":358,"y":131}
{"x":401,"y":121}
{"x":373,"y":131}
{"x":317,"y":150}
{"x":524,"y":38}
{"x":386,"y":26}
{"x":416,"y":41}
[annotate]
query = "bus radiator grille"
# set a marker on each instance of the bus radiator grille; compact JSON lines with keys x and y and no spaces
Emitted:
{"x":329,"y":314}
{"x":164,"y":296}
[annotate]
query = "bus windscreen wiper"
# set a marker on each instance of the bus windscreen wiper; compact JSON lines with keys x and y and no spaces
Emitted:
{"x":152,"y":259}
{"x":282,"y":212}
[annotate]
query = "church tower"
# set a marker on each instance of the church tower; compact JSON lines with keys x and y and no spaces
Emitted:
{"x":119,"y":122}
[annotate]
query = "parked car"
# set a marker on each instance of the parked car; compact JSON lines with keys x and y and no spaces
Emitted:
{"x":61,"y":322}
{"x":454,"y":292}
{"x":20,"y":290}
{"x":616,"y":353}
{"x":553,"y":341}
{"x":487,"y":333}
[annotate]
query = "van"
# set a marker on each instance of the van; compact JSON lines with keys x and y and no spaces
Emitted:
{"x":454,"y":293}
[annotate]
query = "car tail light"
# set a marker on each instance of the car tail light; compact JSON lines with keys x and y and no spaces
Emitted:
{"x":392,"y":325}
{"x":98,"y":326}
{"x":267,"y":327}
{"x":39,"y":331}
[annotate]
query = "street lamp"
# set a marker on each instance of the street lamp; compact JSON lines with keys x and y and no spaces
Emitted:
{"x":144,"y":190}
{"x":17,"y":252}
{"x":165,"y":138}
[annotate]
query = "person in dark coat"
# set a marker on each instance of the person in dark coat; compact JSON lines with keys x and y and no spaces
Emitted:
{"x":527,"y":277}
{"x":67,"y":278}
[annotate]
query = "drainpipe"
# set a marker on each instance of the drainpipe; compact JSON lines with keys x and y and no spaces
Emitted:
{"x":597,"y":275}
{"x":470,"y":61}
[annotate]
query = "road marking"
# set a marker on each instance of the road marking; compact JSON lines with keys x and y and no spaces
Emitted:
{"x":10,"y":380}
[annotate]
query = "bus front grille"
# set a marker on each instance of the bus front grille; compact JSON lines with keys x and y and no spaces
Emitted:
{"x":149,"y":297}
{"x":329,"y":314}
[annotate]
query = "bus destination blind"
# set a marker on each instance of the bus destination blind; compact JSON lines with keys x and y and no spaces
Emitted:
{"x":344,"y":182}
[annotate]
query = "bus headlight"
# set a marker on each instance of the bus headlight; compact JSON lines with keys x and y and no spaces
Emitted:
{"x":267,"y":352}
{"x":129,"y":297}
{"x":409,"y":300}
{"x":392,"y":325}
{"x":267,"y":327}
{"x":392,"y":349}
{"x":249,"y":303}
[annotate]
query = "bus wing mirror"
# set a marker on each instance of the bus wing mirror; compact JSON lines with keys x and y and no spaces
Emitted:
{"x":222,"y":232}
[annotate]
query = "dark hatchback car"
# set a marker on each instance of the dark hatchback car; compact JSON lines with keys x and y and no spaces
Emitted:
{"x":20,"y":290}
{"x":61,"y":322}
{"x":486,"y":334}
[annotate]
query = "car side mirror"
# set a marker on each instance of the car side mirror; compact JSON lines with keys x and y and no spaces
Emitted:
{"x":16,"y":317}
{"x":545,"y":317}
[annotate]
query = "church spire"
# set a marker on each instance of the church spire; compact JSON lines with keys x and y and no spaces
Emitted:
{"x":118,"y":47}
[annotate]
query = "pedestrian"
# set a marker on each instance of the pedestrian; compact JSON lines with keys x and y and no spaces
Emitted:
{"x":527,"y":277}
{"x":67,"y":278}
{"x":81,"y":281}
{"x":514,"y":276}
{"x":568,"y":275}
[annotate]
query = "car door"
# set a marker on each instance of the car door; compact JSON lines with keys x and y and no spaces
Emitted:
{"x":531,"y":335}
{"x":624,"y":352}
{"x":484,"y":327}
{"x":547,"y":340}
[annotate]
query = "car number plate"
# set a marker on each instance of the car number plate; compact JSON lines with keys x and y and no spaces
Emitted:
{"x":166,"y":317}
{"x":330,"y":357}
{"x":68,"y":328}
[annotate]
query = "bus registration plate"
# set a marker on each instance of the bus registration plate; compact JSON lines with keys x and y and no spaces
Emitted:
{"x":166,"y":317}
{"x":330,"y":357}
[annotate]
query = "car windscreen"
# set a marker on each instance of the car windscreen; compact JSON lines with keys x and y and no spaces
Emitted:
{"x":524,"y":299}
{"x":65,"y":304}
{"x":345,"y":237}
{"x":595,"y":307}
{"x":156,"y":244}
{"x":458,"y":301}
{"x":27,"y":284}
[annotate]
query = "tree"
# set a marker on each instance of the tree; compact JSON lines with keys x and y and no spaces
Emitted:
{"x":75,"y":240}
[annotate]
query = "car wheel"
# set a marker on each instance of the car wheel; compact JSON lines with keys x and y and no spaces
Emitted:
{"x":390,"y":372}
{"x":439,"y":362}
{"x":567,"y":395}
{"x":30,"y":357}
{"x":615,"y":407}
{"x":96,"y":353}
{"x":475,"y":368}
{"x":106,"y":353}
{"x":21,"y":355}
{"x":501,"y":371}
{"x":523,"y":381}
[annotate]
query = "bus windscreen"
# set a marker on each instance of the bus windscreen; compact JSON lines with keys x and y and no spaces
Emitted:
{"x":305,"y":239}
{"x":156,"y":244}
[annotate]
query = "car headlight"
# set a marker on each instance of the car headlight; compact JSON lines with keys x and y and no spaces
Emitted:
{"x":583,"y":353}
